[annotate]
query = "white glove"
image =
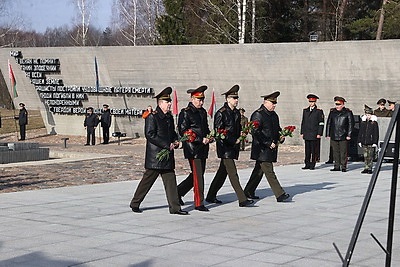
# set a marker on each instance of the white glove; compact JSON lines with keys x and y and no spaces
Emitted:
{"x":359,"y":144}
{"x":374,"y":145}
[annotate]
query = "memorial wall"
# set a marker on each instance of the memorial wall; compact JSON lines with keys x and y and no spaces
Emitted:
{"x":62,"y":82}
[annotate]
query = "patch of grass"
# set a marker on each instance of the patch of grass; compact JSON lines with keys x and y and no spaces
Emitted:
{"x":10,"y":125}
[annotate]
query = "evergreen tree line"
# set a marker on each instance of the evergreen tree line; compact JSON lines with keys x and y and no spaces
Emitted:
{"x":174,"y":22}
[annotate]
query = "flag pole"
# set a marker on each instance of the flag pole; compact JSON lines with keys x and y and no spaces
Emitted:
{"x":97,"y":92}
{"x":13,"y":94}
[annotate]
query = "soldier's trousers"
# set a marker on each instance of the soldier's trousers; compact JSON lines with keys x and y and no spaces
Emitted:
{"x":339,"y":150}
{"x":169,"y":180}
{"x":261,"y":168}
{"x":22,"y":131}
{"x":311,"y":152}
{"x":106,"y":134}
{"x":226,"y":167}
{"x":369,"y":152}
{"x":195,"y":180}
{"x":90,"y":135}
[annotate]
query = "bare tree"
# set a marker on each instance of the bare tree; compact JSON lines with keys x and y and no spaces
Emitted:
{"x":381,"y":20}
{"x":242,"y":8}
{"x":253,"y":21}
{"x":341,"y":6}
{"x":11,"y":25}
{"x":84,"y":9}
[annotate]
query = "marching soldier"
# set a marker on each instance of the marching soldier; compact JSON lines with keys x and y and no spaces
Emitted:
{"x":312,"y":127}
{"x":381,"y":111}
{"x":105,"y":120}
{"x":160,"y":134}
{"x":264,"y":148}
{"x":194,"y":117}
{"x":339,"y":127}
{"x":228,"y":118}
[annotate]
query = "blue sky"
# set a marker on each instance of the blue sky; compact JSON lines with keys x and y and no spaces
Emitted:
{"x":40,"y":14}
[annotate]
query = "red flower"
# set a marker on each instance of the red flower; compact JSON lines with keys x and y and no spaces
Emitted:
{"x":188,"y":136}
{"x":248,"y":128}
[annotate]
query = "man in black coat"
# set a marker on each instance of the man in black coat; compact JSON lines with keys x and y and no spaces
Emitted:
{"x":228,"y":118}
{"x":194,"y":117}
{"x":312,"y":127}
{"x":160,"y":134}
{"x":339,"y":127}
{"x":105,"y":120}
{"x":264,"y":148}
{"x":22,"y":121}
{"x":90,"y":124}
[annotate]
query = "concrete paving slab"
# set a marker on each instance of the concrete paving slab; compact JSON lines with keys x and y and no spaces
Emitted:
{"x":92,"y":225}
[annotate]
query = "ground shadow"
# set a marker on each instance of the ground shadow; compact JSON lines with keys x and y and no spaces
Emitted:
{"x":37,"y":259}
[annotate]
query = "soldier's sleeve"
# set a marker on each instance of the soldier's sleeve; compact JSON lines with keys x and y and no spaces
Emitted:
{"x":321,"y":123}
{"x":351,"y":123}
{"x":328,"y":125}
{"x":302,"y":122}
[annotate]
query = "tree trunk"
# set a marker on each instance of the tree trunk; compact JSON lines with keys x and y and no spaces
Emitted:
{"x":253,"y":21}
{"x":381,"y":20}
{"x":242,"y":21}
{"x":339,"y":20}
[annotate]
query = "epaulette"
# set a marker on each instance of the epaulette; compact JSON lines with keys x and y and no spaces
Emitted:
{"x":319,"y":108}
{"x":348,"y":109}
{"x":260,"y":109}
{"x":306,"y":108}
{"x":187,"y":108}
{"x":155,"y":112}
{"x":332,"y":109}
{"x":222,"y":109}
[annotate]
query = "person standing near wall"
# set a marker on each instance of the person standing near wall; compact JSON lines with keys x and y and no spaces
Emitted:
{"x":105,"y":120}
{"x":228,"y":118}
{"x":160,"y":134}
{"x":22,"y":121}
{"x":312,"y":127}
{"x":392,"y":105}
{"x":339,"y":127}
{"x":243,"y":121}
{"x":368,"y":137}
{"x":381,"y":111}
{"x":90,"y":124}
{"x":194,"y":117}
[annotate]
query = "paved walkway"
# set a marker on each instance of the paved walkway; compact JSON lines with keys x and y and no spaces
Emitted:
{"x":92,"y":225}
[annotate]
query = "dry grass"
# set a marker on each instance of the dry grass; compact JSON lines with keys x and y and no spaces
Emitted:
{"x":10,"y":125}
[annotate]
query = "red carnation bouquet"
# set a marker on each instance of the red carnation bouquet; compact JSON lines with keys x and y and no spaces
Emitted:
{"x":188,"y":136}
{"x":287,"y":131}
{"x":248,"y":128}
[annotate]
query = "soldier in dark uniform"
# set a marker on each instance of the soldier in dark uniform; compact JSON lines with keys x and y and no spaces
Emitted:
{"x":160,"y":134}
{"x":381,"y":111}
{"x":228,"y":118}
{"x":105,"y":120}
{"x":90,"y":124}
{"x":339,"y":127}
{"x":264,"y":148}
{"x":194,"y":117}
{"x":368,"y":137}
{"x":392,"y":105}
{"x":243,"y":121}
{"x":312,"y":127}
{"x":22,"y":121}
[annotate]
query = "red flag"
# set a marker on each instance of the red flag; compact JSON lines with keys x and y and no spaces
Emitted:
{"x":14,"y":92}
{"x":175,"y":104}
{"x":213,"y":106}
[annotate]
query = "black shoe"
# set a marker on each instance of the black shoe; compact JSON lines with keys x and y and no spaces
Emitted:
{"x":312,"y":168}
{"x":282,"y":197}
{"x":328,"y":162}
{"x":246,"y":203}
{"x":251,"y":196}
{"x":136,"y":209}
{"x":305,"y":168}
{"x":365,"y":171}
{"x":181,"y":212}
{"x":181,"y":201}
{"x":87,"y":144}
{"x":344,"y":170}
{"x":369,"y":171}
{"x":201,"y":208}
{"x":335,"y":170}
{"x":215,"y":200}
